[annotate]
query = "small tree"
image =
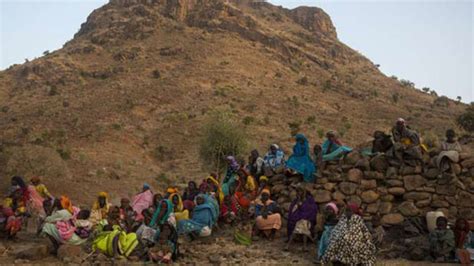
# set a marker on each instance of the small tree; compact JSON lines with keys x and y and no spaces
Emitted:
{"x":407,"y":83}
{"x":426,"y":89}
{"x":459,"y":98}
{"x":222,"y":137}
{"x":466,"y":120}
{"x":45,"y":53}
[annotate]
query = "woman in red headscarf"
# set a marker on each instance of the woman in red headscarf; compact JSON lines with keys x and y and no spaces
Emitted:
{"x":461,"y":236}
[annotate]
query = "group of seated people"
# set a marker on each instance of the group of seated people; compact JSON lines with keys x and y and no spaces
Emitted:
{"x":147,"y":226}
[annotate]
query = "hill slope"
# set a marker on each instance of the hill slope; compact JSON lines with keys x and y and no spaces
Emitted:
{"x":125,"y":99}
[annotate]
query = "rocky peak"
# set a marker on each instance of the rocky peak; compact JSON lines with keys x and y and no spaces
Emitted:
{"x":314,"y":19}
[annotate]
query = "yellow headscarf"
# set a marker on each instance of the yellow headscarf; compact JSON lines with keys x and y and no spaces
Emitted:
{"x":219,"y":189}
{"x":180,"y":206}
{"x":97,"y":205}
{"x":263,"y":178}
{"x":172,"y":190}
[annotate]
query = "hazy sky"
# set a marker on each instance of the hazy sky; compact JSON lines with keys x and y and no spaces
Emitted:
{"x":427,"y":42}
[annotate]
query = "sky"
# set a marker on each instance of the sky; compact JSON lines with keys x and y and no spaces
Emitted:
{"x":427,"y":42}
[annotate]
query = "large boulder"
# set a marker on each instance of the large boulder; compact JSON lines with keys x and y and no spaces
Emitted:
{"x":70,"y":253}
{"x":394,"y":183}
{"x":392,"y":219}
{"x":352,"y":158}
{"x":432,"y":173}
{"x":397,"y":191}
{"x":391,"y":172}
{"x":322,"y":196}
{"x":423,"y":203}
{"x":410,"y":170}
{"x":469,"y":163}
{"x":368,"y":184}
{"x":417,"y":196}
{"x":338,"y":196}
{"x":379,"y":163}
{"x":369,"y":196}
{"x":372,"y":207}
{"x":374,"y":175}
{"x":408,"y":208}
{"x":413,"y":182}
{"x":348,"y":188}
{"x":354,"y":199}
{"x":363,"y":164}
{"x":276,"y":189}
{"x":466,"y":199}
{"x":355,"y":175}
{"x":446,"y":189}
{"x":385,"y":207}
{"x":387,"y":198}
{"x":329,"y":186}
{"x":31,"y":251}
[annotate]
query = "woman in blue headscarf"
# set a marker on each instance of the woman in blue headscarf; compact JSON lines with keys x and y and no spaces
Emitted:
{"x":332,"y":148}
{"x":300,"y":161}
{"x":204,"y":217}
{"x":230,"y":175}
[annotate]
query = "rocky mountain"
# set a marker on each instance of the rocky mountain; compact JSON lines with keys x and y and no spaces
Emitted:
{"x":124,"y":101}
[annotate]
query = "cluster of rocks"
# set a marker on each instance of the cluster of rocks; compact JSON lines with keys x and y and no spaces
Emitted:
{"x":394,"y":193}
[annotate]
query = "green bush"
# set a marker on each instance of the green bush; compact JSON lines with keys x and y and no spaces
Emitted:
{"x":222,"y":137}
{"x":248,"y":120}
{"x":466,"y":120}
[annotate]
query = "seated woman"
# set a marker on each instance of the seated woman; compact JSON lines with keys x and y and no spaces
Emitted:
{"x":462,"y":237}
{"x":330,"y":220}
{"x":111,"y":239}
{"x":268,"y":218}
{"x":273,"y":161}
{"x":301,"y":217}
{"x":59,"y":227}
{"x":142,"y":201}
{"x":157,"y":198}
{"x":255,"y":165}
{"x":228,"y":210}
{"x":41,"y":188}
{"x":179,"y":211}
{"x":165,"y":249}
{"x":189,"y":195}
{"x":100,"y":209}
{"x":83,"y":225}
{"x":231,"y":174}
{"x":127,"y":216}
{"x":263,"y":184}
{"x":351,"y":241}
{"x":448,"y":153}
{"x":164,"y":213}
{"x":300,"y":161}
{"x":211,"y":186}
{"x":332,"y":148}
{"x":442,"y":243}
{"x":15,"y":207}
{"x":204,"y":217}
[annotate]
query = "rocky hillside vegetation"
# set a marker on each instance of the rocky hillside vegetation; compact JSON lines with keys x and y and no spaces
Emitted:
{"x":125,"y":100}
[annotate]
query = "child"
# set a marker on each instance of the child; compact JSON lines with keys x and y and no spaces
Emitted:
{"x":441,"y":241}
{"x":41,"y":188}
{"x":164,"y":249}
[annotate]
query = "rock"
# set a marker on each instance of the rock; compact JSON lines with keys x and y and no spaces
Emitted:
{"x":464,"y":156}
{"x":466,"y":213}
{"x":392,"y":219}
{"x":445,"y":189}
{"x":382,"y":190}
{"x":451,"y":200}
{"x":374,"y":175}
{"x":423,"y":203}
{"x":369,"y":196}
{"x":469,"y":163}
{"x":368,"y":184}
{"x":286,"y":206}
{"x":416,"y":196}
{"x":322,"y":180}
{"x":466,"y":199}
{"x":355,"y":175}
{"x":348,"y":188}
{"x":354,"y":199}
{"x":329,"y":186}
{"x":391,"y":172}
{"x":363,"y":164}
{"x":338,"y":196}
{"x":413,"y":181}
{"x":407,"y":208}
{"x":322,"y":196}
{"x":385,"y":207}
{"x":453,"y":211}
{"x":215,"y":259}
{"x":394,"y":183}
{"x":70,"y":253}
{"x":397,"y":191}
{"x":352,"y":158}
{"x":379,"y":163}
{"x":334,"y":177}
{"x":429,"y":189}
{"x":31,"y":251}
{"x":457,"y":169}
{"x":372,"y":208}
{"x":276,"y":189}
{"x":432,"y":173}
{"x":387,"y":198}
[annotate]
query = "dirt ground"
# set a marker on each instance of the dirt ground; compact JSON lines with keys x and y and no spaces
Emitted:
{"x":217,"y":249}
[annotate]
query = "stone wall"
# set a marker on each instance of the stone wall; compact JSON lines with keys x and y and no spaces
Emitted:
{"x":393,"y":193}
